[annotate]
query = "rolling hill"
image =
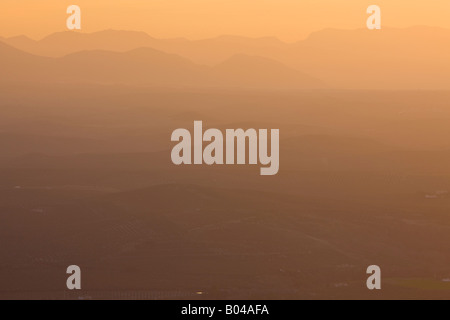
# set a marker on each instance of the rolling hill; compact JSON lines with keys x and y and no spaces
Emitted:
{"x":390,"y":58}
{"x":206,"y":51}
{"x":149,"y":67}
{"x":253,"y":71}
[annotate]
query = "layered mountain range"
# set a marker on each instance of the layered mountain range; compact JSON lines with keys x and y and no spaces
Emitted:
{"x":395,"y":59}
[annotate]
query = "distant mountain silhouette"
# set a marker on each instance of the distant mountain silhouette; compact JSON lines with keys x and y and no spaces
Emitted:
{"x":63,"y":43}
{"x":214,"y":50}
{"x":410,"y":58}
{"x":390,"y":58}
{"x":254,"y":71}
{"x":22,"y":42}
{"x":210,"y":51}
{"x":146,"y":66}
{"x":17,"y":65}
{"x":142,"y":66}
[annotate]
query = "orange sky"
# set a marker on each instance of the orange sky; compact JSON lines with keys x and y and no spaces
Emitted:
{"x":289,"y":20}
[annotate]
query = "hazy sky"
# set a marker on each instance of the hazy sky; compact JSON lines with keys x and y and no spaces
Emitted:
{"x":287,"y":19}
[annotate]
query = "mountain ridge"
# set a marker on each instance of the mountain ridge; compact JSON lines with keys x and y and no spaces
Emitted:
{"x":145,"y":66}
{"x":413,"y":58}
